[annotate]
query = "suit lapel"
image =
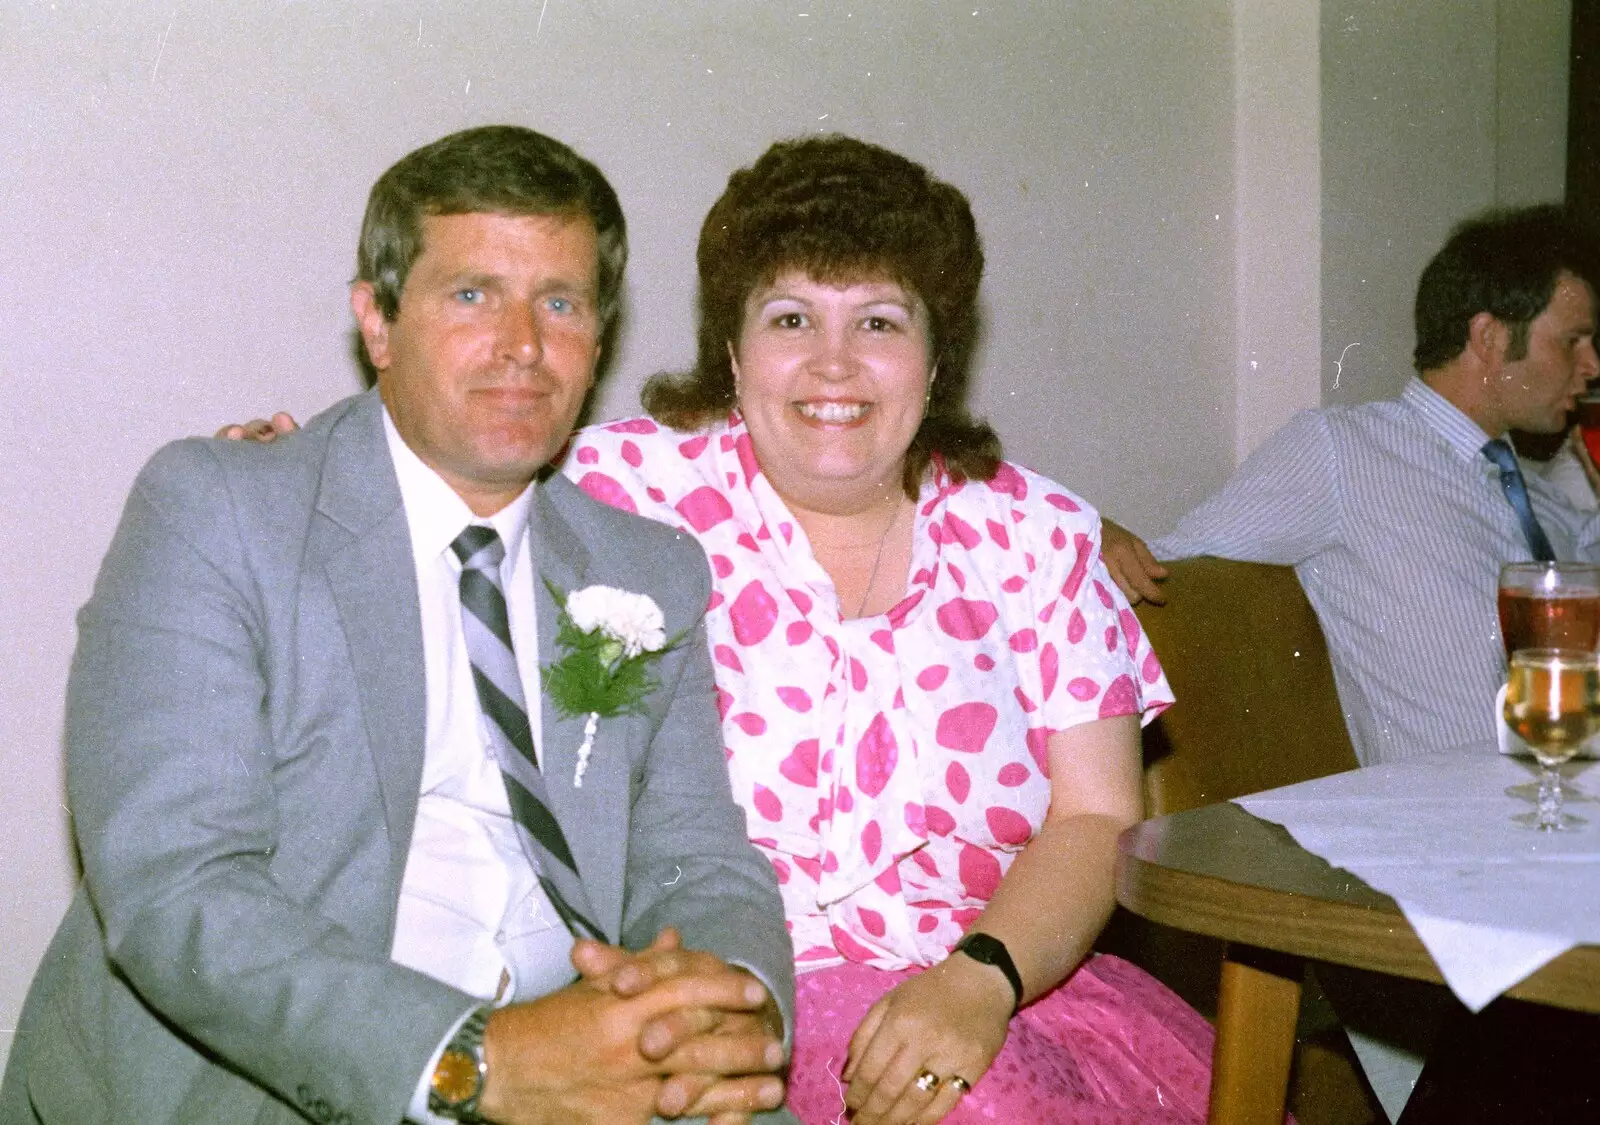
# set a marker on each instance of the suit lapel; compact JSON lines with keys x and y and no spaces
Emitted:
{"x":593,"y":818}
{"x":364,"y":543}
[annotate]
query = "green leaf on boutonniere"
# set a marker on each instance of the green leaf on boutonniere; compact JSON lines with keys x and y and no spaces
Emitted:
{"x":596,"y":675}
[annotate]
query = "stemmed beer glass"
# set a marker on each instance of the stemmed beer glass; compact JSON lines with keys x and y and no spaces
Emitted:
{"x":1553,"y":704}
{"x":1549,"y":605}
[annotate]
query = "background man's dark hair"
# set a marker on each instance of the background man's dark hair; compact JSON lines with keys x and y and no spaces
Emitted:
{"x":1503,"y":262}
{"x":498,"y":169}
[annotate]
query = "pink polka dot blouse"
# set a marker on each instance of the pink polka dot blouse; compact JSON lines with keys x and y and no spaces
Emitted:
{"x":890,"y":767}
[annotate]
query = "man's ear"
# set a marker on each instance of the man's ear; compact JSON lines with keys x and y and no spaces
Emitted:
{"x":1487,"y":339}
{"x":370,"y":320}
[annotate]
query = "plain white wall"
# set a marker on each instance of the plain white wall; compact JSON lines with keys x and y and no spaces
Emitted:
{"x":183,"y":182}
{"x":1432,"y":110}
{"x":1278,"y":214}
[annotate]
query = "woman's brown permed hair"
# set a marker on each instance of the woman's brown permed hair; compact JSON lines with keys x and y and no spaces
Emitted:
{"x":841,"y":210}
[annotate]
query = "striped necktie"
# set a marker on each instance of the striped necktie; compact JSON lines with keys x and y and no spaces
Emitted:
{"x":1516,"y":490}
{"x":487,"y":630}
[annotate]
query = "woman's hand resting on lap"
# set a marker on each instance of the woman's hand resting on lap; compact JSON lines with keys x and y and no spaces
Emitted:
{"x":950,"y":1020}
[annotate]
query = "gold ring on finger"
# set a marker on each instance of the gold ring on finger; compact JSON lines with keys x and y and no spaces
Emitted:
{"x":927,"y":1081}
{"x":959,"y":1084}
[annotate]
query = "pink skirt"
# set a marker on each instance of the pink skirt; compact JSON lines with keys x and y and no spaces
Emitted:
{"x":1110,"y":1046}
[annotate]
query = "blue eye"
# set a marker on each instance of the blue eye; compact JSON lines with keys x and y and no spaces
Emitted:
{"x":469,"y":296}
{"x":560,"y":305}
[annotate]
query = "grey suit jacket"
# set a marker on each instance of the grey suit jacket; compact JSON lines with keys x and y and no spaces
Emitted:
{"x":245,"y":729}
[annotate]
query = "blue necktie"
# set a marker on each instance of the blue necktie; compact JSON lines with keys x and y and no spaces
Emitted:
{"x":1516,"y":491}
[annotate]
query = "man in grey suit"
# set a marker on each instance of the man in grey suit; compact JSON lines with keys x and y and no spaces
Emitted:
{"x":335,"y":868}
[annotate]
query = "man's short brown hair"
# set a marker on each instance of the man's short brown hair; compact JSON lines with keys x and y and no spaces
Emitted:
{"x":495,"y":169}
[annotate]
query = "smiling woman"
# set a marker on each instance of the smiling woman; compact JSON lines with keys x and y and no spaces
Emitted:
{"x":837,"y":210}
{"x":832,"y":381}
{"x":931,"y":690}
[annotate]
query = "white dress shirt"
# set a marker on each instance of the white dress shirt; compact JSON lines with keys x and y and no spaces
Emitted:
{"x":471,"y":911}
{"x":1565,"y":473}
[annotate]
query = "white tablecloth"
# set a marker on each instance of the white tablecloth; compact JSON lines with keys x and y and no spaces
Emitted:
{"x":1491,"y":901}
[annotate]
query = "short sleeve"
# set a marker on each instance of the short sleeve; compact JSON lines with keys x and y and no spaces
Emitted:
{"x":607,"y":462}
{"x":1094,"y":660}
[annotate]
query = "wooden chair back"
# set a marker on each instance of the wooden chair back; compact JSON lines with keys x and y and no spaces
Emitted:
{"x":1257,"y":707}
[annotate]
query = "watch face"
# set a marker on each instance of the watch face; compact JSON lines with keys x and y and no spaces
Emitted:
{"x":456,"y":1078}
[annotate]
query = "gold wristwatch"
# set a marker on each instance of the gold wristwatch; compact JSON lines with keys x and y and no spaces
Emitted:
{"x":461,"y":1071}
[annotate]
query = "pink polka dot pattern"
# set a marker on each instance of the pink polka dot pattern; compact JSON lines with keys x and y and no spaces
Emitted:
{"x":606,"y":490}
{"x":800,"y":766}
{"x":876,"y":756}
{"x":958,"y":782}
{"x":795,"y":698}
{"x":1013,"y":774}
{"x":966,"y":726}
{"x":703,"y":508}
{"x":892,"y":767}
{"x":752,"y":614}
{"x":1009,"y":827}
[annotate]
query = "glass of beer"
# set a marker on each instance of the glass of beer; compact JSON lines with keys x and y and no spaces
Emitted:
{"x":1553,"y":704}
{"x":1550,"y":605}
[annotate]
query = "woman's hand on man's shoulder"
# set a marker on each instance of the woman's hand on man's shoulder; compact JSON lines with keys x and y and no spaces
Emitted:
{"x":261,"y":430}
{"x":1131,"y":565}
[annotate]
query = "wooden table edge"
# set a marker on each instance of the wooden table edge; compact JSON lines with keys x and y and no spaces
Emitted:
{"x":1375,"y":936}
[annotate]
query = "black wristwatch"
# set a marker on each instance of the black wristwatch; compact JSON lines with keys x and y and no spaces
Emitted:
{"x":987,"y":949}
{"x":461,"y":1071}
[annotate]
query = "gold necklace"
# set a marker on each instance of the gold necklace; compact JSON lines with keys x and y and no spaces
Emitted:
{"x":894,"y":518}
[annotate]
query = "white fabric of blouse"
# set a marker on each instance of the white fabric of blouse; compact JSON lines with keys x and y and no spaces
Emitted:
{"x":890,"y":767}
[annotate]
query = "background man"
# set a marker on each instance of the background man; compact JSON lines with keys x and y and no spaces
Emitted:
{"x":1397,"y":515}
{"x":323,"y":834}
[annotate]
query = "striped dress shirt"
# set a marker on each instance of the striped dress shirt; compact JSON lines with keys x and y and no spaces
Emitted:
{"x":1396,"y":525}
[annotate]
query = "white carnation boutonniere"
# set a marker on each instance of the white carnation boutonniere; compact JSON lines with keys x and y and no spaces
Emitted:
{"x":611,"y":638}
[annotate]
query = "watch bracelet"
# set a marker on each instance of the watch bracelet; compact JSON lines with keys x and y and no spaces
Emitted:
{"x":468,"y":1040}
